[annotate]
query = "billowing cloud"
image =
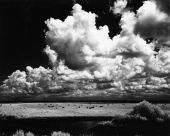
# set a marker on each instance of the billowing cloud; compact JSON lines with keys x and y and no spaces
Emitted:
{"x":32,"y":81}
{"x":86,"y":59}
{"x":81,"y":46}
{"x":164,"y":5}
{"x":51,"y":54}
{"x":152,"y":22}
{"x":119,"y":6}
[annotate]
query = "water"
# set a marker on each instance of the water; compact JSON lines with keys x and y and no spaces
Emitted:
{"x":79,"y":126}
{"x":74,"y":126}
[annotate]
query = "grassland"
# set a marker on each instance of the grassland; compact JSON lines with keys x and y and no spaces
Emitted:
{"x":84,"y":119}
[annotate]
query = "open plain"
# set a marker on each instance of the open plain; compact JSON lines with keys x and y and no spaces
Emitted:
{"x":41,"y":110}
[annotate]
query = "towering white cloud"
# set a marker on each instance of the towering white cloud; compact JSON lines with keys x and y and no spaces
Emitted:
{"x":84,"y":56}
{"x":81,"y":46}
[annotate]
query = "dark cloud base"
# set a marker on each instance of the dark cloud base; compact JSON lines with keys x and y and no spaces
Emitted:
{"x":116,"y":98}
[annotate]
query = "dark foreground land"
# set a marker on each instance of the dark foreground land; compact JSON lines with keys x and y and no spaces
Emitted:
{"x":92,"y":119}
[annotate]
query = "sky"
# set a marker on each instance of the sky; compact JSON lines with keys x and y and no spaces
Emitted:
{"x":119,"y":49}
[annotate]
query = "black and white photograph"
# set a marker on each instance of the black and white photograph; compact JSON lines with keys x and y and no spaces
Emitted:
{"x":84,"y":67}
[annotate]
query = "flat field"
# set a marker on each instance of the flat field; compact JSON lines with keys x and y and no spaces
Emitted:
{"x":45,"y":110}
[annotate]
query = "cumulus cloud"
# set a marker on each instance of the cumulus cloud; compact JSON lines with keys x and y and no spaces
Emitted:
{"x":154,"y":23}
{"x":164,"y":5}
{"x":51,"y":54}
{"x":81,"y":46}
{"x":32,"y":81}
{"x":86,"y":59}
{"x":119,"y":6}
